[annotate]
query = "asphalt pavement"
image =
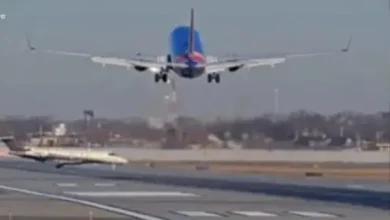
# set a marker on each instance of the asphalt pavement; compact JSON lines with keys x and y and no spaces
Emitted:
{"x":18,"y":206}
{"x":158,"y":201}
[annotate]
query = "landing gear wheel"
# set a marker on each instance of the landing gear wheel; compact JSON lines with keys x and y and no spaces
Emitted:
{"x":213,"y":76}
{"x":156,"y":78}
{"x":209,"y":78}
{"x":217,"y":78}
{"x":160,"y":76}
{"x":58,"y":166}
{"x":164,"y":77}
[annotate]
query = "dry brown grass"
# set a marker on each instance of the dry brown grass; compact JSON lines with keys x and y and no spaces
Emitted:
{"x":328,"y":170}
{"x":349,"y":173}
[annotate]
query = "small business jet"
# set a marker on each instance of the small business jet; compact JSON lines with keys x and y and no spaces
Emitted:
{"x":63,"y":156}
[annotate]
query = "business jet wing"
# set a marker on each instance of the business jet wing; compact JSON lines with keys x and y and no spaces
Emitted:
{"x":263,"y":60}
{"x":152,"y":63}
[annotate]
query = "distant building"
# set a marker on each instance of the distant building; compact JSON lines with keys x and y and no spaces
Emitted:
{"x":59,"y":136}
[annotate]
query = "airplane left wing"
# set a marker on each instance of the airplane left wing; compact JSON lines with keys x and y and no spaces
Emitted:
{"x":234,"y":64}
{"x":152,"y":63}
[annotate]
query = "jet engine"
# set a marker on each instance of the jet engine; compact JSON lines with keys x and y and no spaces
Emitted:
{"x":140,"y":68}
{"x":234,"y":69}
{"x":159,"y":59}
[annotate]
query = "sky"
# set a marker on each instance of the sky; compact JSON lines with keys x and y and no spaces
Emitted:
{"x":41,"y":84}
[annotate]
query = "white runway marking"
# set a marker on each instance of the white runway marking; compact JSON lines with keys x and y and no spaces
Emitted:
{"x":198,"y":214}
{"x":105,"y":184}
{"x":254,"y":214}
{"x":84,"y":202}
{"x":354,"y":186}
{"x":314,"y":214}
{"x":67,"y":184}
{"x":130,"y":194}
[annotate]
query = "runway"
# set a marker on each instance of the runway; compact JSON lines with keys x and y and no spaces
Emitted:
{"x":20,"y":206}
{"x":156,"y":201}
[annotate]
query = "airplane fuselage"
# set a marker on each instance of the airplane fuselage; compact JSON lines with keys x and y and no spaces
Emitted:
{"x":79,"y":156}
{"x":179,"y":43}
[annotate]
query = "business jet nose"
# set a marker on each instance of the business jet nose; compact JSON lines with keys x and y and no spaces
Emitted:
{"x":123,"y":161}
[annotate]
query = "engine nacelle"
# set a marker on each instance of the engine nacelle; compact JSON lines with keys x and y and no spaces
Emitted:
{"x":234,"y":69}
{"x":140,"y":68}
{"x":159,"y":59}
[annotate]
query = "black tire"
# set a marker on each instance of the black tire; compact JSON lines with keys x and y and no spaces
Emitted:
{"x":217,"y":78}
{"x":156,"y":78}
{"x":164,"y":77}
{"x":209,"y":78}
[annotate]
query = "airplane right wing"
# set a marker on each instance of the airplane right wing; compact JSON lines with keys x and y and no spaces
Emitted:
{"x":233,"y":64}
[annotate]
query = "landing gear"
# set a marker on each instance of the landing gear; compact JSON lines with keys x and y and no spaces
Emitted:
{"x":60,"y":165}
{"x":160,"y":76}
{"x":41,"y":160}
{"x":213,"y":76}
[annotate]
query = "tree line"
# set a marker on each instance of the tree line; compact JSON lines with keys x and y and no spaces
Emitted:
{"x":370,"y":127}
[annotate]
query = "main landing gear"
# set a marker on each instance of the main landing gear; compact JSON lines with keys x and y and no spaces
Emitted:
{"x":213,"y":76}
{"x":60,"y":165}
{"x":160,"y":76}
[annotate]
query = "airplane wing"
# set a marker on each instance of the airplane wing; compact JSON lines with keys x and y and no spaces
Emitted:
{"x":264,"y":60}
{"x":158,"y":63}
{"x":152,"y":63}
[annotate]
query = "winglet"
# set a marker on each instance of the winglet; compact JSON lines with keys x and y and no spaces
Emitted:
{"x":30,"y":47}
{"x":346,"y":49}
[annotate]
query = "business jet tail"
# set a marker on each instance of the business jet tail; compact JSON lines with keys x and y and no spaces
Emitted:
{"x":12,"y":144}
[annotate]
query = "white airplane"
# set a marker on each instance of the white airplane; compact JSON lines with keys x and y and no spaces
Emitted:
{"x":187,"y":58}
{"x":63,"y":156}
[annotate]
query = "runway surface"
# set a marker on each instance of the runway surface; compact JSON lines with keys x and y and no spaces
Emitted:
{"x":142,"y":173}
{"x":152,"y":201}
{"x":20,"y":206}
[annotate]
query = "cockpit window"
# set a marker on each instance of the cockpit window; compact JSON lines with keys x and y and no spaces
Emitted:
{"x":112,"y":154}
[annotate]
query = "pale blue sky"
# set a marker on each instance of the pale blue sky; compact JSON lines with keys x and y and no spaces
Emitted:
{"x":35,"y":84}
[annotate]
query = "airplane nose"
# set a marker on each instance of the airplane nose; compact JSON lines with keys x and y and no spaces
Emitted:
{"x":123,"y":161}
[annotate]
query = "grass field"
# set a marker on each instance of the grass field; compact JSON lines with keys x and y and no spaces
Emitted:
{"x":327,"y":170}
